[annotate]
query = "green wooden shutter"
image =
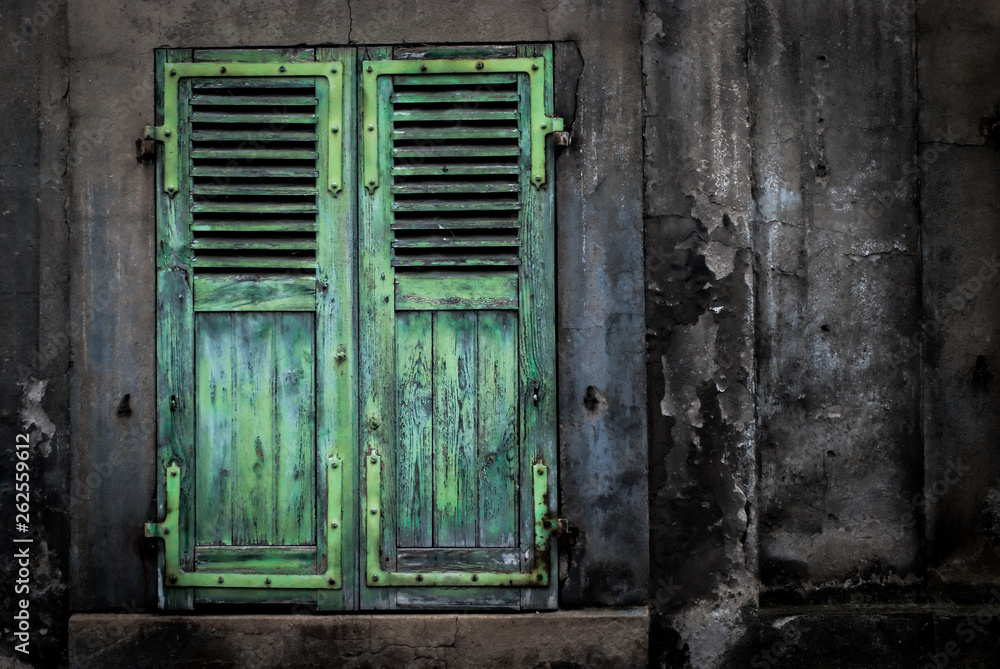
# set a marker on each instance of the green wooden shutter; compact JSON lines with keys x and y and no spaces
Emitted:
{"x":256,"y":338}
{"x":457,"y":330}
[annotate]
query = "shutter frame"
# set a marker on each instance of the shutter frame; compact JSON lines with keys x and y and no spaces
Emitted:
{"x":385,"y":292}
{"x":182,"y":294}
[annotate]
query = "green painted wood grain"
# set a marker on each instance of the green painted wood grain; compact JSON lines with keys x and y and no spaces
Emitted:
{"x":293,"y":55}
{"x":456,"y":169}
{"x":469,"y":260}
{"x":456,"y":114}
{"x":461,"y":97}
{"x":261,"y":118}
{"x":454,"y":151}
{"x":457,"y":187}
{"x":254,"y":521}
{"x":469,"y":222}
{"x":227,"y":172}
{"x":253,"y":244}
{"x":336,"y":331}
{"x":453,"y":79}
{"x":252,"y":82}
{"x":454,"y":378}
{"x":464,"y":291}
{"x":242,"y":189}
{"x":536,"y":336}
{"x":256,"y":559}
{"x":414,"y":444}
{"x":214,"y":383}
{"x":240,"y":292}
{"x":449,"y":242}
{"x":497,"y":433}
{"x":174,"y":344}
{"x":376,"y":325}
{"x":295,"y":429}
{"x":238,"y":100}
{"x":254,"y":154}
{"x":456,"y":205}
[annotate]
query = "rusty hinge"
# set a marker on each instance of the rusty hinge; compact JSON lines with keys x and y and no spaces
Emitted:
{"x":562,"y":138}
{"x":145,"y":146}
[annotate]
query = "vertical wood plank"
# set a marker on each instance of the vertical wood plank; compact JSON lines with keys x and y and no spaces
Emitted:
{"x":414,"y":472}
{"x":254,"y":520}
{"x":536,"y":337}
{"x":499,"y":455}
{"x":454,"y":370}
{"x":294,"y":429}
{"x":174,"y":344}
{"x":214,"y":428}
{"x":337,"y":331}
{"x":376,"y":327}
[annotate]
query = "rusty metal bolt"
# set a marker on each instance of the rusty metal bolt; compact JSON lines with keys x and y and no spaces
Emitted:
{"x":222,"y":70}
{"x":221,"y":580}
{"x":479,"y":65}
{"x":267,"y":581}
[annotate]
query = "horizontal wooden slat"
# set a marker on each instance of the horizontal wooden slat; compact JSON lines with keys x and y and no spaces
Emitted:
{"x":469,"y":260}
{"x":452,"y":170}
{"x":200,"y":84}
{"x":466,"y":291}
{"x":250,"y":293}
{"x":452,"y":242}
{"x":256,"y":559}
{"x":254,"y":207}
{"x":458,"y":132}
{"x":461,"y":96}
{"x":271,"y":100}
{"x":253,"y":136}
{"x":273,"y":225}
{"x":264,"y":119}
{"x":457,"y":187}
{"x":453,"y":79}
{"x":253,"y":172}
{"x":291,"y":55}
{"x":253,"y":244}
{"x":461,"y":114}
{"x":455,"y":205}
{"x":454,"y":223}
{"x":253,"y":154}
{"x":462,"y":559}
{"x":254,"y":261}
{"x":252,"y":189}
{"x":454,"y":151}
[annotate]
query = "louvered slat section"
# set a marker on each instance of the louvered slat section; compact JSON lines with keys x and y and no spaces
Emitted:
{"x":253,"y":177}
{"x":456,"y":187}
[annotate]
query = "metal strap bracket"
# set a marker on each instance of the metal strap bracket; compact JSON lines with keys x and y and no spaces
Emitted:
{"x":541,"y":124}
{"x":169,"y":531}
{"x":173,"y":72}
{"x":546,"y":526}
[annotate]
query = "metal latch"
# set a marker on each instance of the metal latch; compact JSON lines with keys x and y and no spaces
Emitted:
{"x":562,"y":138}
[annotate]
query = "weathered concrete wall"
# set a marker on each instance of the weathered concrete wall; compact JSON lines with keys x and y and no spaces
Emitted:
{"x":34,"y":301}
{"x":960,"y":205}
{"x":834,"y":99}
{"x":699,"y":304}
{"x":600,"y":322}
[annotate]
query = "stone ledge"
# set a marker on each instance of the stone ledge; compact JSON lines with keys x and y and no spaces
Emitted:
{"x":584,"y":639}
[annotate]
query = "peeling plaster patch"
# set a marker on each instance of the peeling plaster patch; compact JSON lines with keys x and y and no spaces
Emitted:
{"x":652,"y":27}
{"x":708,"y":628}
{"x":719,"y":258}
{"x":32,"y":413}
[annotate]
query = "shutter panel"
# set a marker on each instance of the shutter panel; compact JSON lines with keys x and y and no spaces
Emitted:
{"x":256,"y":324}
{"x":457,"y":330}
